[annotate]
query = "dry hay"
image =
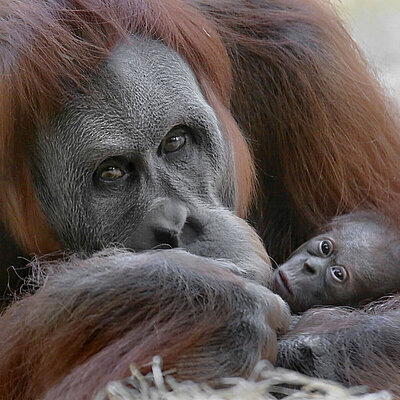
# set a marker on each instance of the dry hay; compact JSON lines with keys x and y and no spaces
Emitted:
{"x":266,"y":383}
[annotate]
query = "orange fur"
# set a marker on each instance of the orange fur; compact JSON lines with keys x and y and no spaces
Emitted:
{"x":92,"y":319}
{"x":325,"y":136}
{"x":42,"y":57}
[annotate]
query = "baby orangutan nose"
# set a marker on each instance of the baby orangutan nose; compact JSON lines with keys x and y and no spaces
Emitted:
{"x":309,"y":268}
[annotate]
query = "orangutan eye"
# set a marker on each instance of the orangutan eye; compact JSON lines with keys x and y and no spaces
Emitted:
{"x":174,"y":140}
{"x":111,"y":173}
{"x":339,"y":274}
{"x":325,"y":248}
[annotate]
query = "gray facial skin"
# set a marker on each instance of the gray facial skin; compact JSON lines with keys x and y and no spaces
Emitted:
{"x":357,"y":259}
{"x":139,"y":160}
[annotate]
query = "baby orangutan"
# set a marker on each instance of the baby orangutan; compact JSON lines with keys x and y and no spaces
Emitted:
{"x":355,"y":258}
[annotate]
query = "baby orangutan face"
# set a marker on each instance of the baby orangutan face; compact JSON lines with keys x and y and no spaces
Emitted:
{"x":357,"y":258}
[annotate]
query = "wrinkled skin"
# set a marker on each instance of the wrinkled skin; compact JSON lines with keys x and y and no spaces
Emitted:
{"x":355,"y":259}
{"x":105,"y":173}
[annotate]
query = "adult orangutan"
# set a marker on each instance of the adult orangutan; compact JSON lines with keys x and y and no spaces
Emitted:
{"x":117,"y":126}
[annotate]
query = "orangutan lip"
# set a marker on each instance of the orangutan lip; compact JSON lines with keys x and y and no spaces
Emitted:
{"x":284,"y":282}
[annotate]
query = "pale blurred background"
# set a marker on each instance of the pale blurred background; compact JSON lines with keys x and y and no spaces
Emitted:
{"x":375,"y":25}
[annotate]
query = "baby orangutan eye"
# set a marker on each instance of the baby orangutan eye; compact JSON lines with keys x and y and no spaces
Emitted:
{"x":339,"y":274}
{"x":325,"y":248}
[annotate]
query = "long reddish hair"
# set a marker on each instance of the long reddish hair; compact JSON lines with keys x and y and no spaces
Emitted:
{"x":327,"y":137}
{"x":50,"y":46}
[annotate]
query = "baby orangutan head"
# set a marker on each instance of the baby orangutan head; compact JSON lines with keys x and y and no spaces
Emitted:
{"x":355,"y":258}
